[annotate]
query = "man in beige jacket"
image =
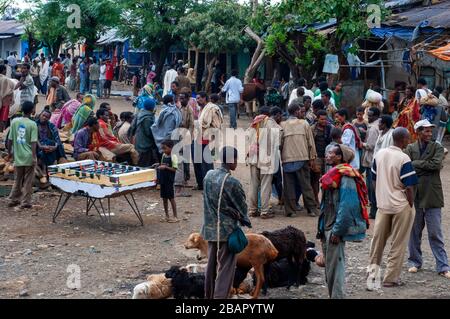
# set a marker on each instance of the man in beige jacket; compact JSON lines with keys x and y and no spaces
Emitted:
{"x":263,"y":156}
{"x":297,"y":155}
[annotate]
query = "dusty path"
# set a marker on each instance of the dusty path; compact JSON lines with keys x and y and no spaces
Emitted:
{"x":35,"y":253}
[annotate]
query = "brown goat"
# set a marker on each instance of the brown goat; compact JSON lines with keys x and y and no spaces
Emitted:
{"x":258,"y":252}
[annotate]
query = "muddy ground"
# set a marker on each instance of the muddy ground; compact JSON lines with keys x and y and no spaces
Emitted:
{"x":36,"y":255}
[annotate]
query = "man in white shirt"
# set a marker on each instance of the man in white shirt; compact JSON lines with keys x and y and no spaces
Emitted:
{"x":385,"y":138}
{"x":169,"y":77}
{"x":233,"y":89}
{"x":350,"y":136}
{"x":102,"y":77}
{"x":12,"y":61}
{"x":422,"y":89}
{"x":301,"y":84}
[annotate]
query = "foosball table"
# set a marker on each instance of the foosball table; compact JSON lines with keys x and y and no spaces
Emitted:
{"x":98,"y":181}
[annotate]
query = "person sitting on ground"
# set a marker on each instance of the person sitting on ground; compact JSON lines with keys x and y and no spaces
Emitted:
{"x":83,"y":139}
{"x":107,"y":144}
{"x":122,"y":127}
{"x":57,"y":95}
{"x":50,"y":148}
{"x":113,"y":118}
{"x":82,"y":114}
{"x":63,"y":118}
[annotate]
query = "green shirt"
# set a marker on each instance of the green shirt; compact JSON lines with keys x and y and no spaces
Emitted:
{"x":22,"y":133}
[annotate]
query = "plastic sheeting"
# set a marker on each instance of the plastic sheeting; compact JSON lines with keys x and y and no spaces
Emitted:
{"x":442,"y":53}
{"x":404,"y":33}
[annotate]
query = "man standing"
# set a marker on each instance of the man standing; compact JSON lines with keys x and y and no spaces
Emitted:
{"x":301,"y":84}
{"x":22,"y":143}
{"x":263,"y":157}
{"x":394,"y":178}
{"x":43,"y":74}
{"x":109,"y":75}
{"x":427,"y":159}
{"x":221,"y":186}
{"x":6,"y":97}
{"x":12,"y":60}
{"x":83,"y":76}
{"x":350,"y":136}
{"x":94,"y":76}
{"x":385,"y":137}
{"x":369,"y":147}
{"x":422,"y":89}
{"x":26,"y":85}
{"x":210,"y":122}
{"x":102,"y":78}
{"x":343,"y":218}
{"x":322,"y":137}
{"x":297,"y":154}
{"x":234,"y":89}
{"x":329,"y":107}
{"x":169,"y":77}
{"x":182,"y":79}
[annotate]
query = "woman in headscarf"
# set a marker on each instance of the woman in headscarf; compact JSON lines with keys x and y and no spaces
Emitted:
{"x":63,"y":118}
{"x":145,"y":94}
{"x":50,"y":148}
{"x":83,"y":113}
{"x":409,"y":114}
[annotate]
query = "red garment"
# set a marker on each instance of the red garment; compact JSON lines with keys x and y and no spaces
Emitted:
{"x":358,"y":141}
{"x":104,"y":137}
{"x":109,"y":72}
{"x":58,"y":70}
{"x":332,"y":179}
{"x":4,"y":113}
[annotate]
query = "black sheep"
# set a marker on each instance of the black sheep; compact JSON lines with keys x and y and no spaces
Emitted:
{"x":185,"y":284}
{"x":291,"y":244}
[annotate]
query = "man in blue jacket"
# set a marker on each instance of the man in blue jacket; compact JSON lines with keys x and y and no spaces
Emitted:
{"x":342,"y":218}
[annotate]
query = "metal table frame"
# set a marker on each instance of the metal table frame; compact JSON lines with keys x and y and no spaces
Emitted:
{"x":105,"y":214}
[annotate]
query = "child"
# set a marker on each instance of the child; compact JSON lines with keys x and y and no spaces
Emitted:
{"x":336,"y":138}
{"x":166,"y":177}
{"x":360,"y":123}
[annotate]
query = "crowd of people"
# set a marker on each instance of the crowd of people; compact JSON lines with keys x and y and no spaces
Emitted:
{"x":306,"y":145}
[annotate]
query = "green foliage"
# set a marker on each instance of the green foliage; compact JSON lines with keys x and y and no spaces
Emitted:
{"x":218,"y":28}
{"x":286,"y":17}
{"x":151,"y":23}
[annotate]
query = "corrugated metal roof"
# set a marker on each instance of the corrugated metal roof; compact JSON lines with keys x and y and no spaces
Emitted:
{"x":110,"y":36}
{"x":11,"y":27}
{"x":437,"y":16}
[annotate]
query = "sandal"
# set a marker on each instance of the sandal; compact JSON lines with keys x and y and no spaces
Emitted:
{"x":267,"y":216}
{"x":173,"y":220}
{"x":413,"y":270}
{"x":445,"y":274}
{"x":164,"y":220}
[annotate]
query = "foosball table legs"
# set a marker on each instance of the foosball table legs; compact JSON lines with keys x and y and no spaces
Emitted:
{"x":134,"y":207}
{"x":61,"y":203}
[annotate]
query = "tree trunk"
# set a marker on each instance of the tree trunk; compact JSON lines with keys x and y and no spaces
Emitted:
{"x":257,"y":58}
{"x":161,"y":57}
{"x":211,"y":64}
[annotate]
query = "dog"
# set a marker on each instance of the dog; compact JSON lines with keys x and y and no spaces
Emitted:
{"x":258,"y":252}
{"x":186,"y":285}
{"x":156,"y":287}
{"x":291,"y":244}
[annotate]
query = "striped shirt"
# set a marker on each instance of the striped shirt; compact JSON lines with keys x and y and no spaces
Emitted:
{"x":393,"y":172}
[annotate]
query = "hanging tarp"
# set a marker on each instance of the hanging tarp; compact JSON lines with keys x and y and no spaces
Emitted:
{"x":442,"y":53}
{"x":404,"y":33}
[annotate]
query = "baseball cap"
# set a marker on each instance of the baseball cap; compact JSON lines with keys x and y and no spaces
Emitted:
{"x":423,"y":123}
